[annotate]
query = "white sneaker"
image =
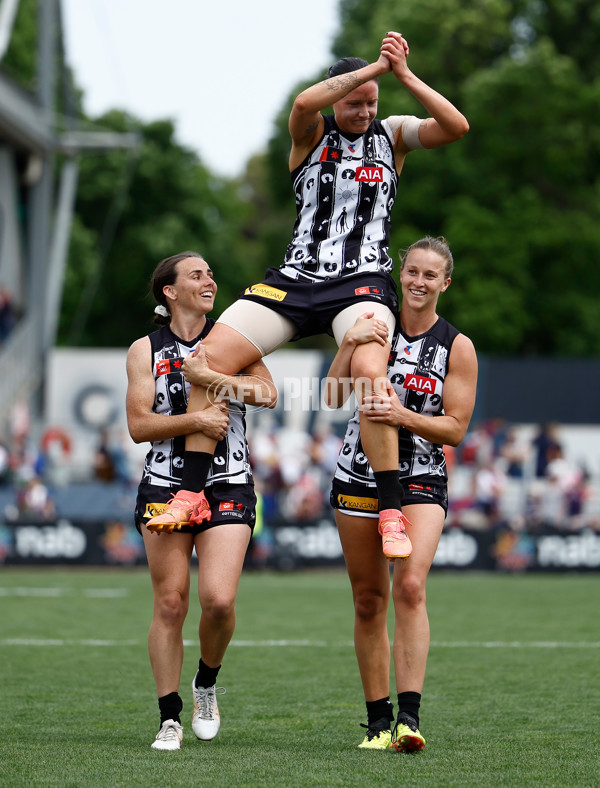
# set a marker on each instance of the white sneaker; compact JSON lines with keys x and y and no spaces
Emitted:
{"x":206,"y":719}
{"x":169,"y":736}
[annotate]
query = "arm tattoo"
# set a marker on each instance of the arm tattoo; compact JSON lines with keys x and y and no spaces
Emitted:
{"x":309,"y":130}
{"x":344,"y":81}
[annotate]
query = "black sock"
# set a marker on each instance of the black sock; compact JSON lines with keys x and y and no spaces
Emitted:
{"x":170,"y":707}
{"x":409,"y":703}
{"x":389,"y":489}
{"x":196,"y":465}
{"x":206,"y":677}
{"x":376,"y":709}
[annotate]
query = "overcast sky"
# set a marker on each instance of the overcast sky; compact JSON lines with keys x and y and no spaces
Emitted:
{"x":220,"y":70}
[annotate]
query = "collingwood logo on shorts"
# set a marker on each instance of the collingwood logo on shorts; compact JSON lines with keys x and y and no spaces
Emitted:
{"x":358,"y":503}
{"x":230,"y":506}
{"x":376,"y":291}
{"x":265,"y":291}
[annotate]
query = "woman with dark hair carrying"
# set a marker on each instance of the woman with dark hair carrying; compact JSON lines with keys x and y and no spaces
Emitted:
{"x":220,"y":526}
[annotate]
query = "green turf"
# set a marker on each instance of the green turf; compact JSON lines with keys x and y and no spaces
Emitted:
{"x":511,"y":697}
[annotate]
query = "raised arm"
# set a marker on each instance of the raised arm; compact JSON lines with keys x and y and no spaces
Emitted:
{"x":144,"y":424}
{"x":306,"y":121}
{"x":338,"y":384}
{"x":253,"y":386}
{"x":458,"y":398}
{"x":446,"y":123}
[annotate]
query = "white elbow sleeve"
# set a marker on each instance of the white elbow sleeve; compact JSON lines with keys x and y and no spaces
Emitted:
{"x":409,"y":125}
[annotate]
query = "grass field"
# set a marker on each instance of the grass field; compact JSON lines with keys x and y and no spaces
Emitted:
{"x":512,"y":695}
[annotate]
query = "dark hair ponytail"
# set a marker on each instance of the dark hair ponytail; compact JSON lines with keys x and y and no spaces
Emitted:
{"x":165,"y":274}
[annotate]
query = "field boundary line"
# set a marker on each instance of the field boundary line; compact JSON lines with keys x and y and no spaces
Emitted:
{"x":54,"y":592}
{"x":490,"y":644}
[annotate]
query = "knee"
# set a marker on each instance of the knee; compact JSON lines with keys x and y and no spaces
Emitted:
{"x":219,"y":608}
{"x":172,"y":608}
{"x":369,"y":370}
{"x":365,"y":366}
{"x":370,"y":603}
{"x":409,"y":592}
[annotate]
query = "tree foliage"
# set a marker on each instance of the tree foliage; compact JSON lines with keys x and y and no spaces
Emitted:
{"x":141,"y":207}
{"x":517,"y":198}
{"x":20,"y":60}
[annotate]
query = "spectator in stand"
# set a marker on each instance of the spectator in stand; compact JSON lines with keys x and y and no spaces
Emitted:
{"x":35,"y":500}
{"x":264,"y":457}
{"x":489,"y":482}
{"x":477,"y":447}
{"x":514,"y":454}
{"x":569,"y":482}
{"x":304,"y":500}
{"x":324,"y":451}
{"x":104,"y":466}
{"x":545,"y":445}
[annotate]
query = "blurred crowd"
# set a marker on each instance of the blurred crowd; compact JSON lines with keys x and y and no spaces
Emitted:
{"x":502,"y":475}
{"x":506,"y":475}
{"x":32,"y":471}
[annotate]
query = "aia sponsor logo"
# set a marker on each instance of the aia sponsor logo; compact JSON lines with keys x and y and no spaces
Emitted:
{"x":360,"y":291}
{"x":419,"y":383}
{"x":369,"y":174}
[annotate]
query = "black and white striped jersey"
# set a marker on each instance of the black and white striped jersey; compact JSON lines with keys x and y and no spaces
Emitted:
{"x":417,"y":369}
{"x":345,"y":190}
{"x":163,"y":465}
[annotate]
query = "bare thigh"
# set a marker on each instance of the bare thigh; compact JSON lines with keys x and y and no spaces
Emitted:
{"x":221,"y":551}
{"x":425,"y":524}
{"x":168,"y":558}
{"x":367,"y":566}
